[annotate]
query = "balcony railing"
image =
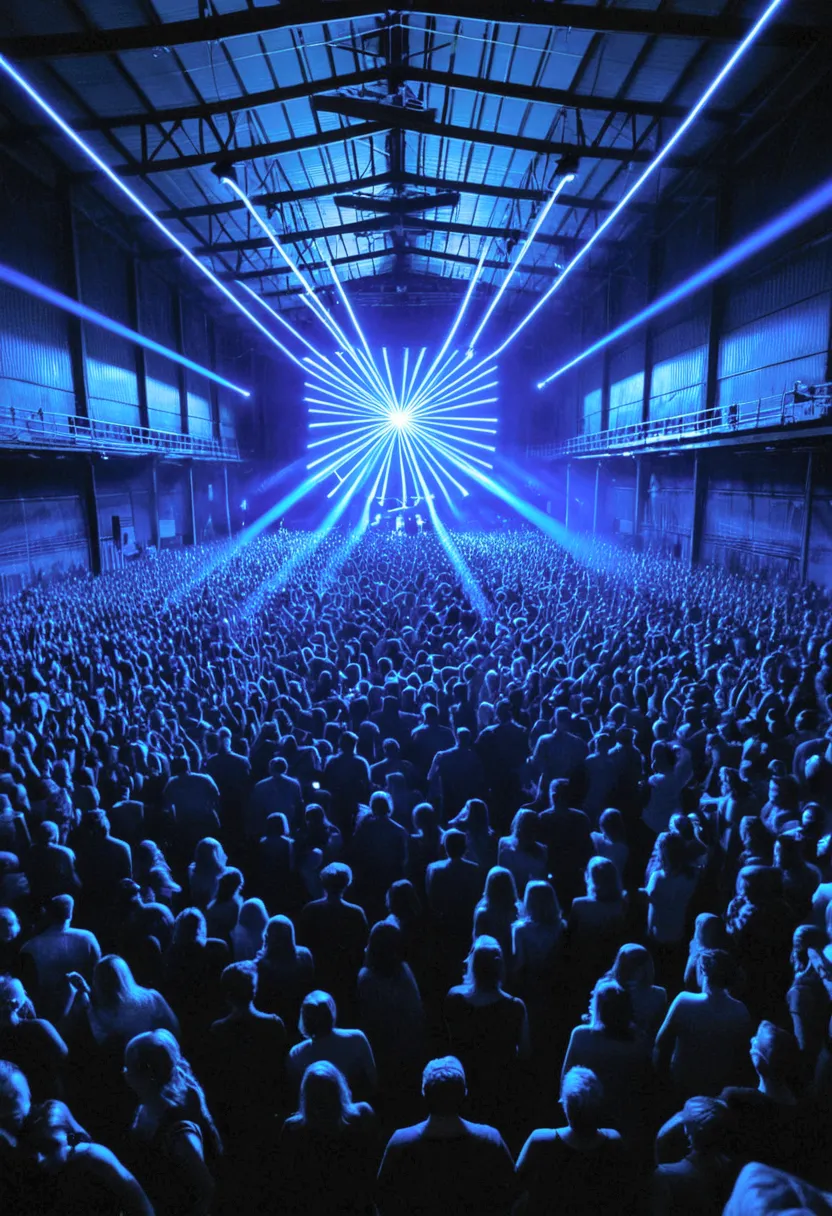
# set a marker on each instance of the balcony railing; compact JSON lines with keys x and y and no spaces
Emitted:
{"x":791,"y":408}
{"x":70,"y":432}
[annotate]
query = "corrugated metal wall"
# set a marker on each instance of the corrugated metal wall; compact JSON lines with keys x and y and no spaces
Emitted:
{"x":111,"y":361}
{"x":626,"y":385}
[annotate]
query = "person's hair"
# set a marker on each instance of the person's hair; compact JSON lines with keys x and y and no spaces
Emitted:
{"x":12,"y":996}
{"x":705,"y":1121}
{"x":325,"y":1101}
{"x":540,"y":903}
{"x":717,"y":967}
{"x":788,"y":849}
{"x":59,"y":909}
{"x":253,"y":916}
{"x":500,"y":892}
{"x":189,"y":928}
{"x":603,"y":882}
{"x":673,"y":856}
{"x":348,"y":742}
{"x":474,"y":816}
{"x":633,"y":966}
{"x":278,"y":766}
{"x":239,"y":983}
{"x":14,"y":1095}
{"x":229,"y":884}
{"x":709,"y":933}
{"x":611,"y":824}
{"x":759,"y":884}
{"x":336,"y":877}
{"x":443,"y":1085}
{"x":277,"y":825}
{"x":381,"y":803}
{"x":484,"y":965}
{"x":279,"y":942}
{"x":402,"y":901}
{"x":804,"y":939}
{"x":776,"y":1052}
{"x":113,"y":984}
{"x":47,"y":832}
{"x":524,"y":829}
{"x":317,"y":1014}
{"x":209,"y":855}
{"x":391,"y":747}
{"x":582,"y":1096}
{"x":612,"y":1010}
{"x":455,"y":844}
{"x":559,"y":791}
{"x":52,"y":1116}
{"x":425,"y":819}
{"x":157,"y":1057}
{"x":385,"y":950}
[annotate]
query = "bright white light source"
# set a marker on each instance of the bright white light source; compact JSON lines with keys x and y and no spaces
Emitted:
{"x":400,"y":419}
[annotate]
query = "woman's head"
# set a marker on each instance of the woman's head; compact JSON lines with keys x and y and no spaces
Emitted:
{"x":709,"y":932}
{"x":209,"y":855}
{"x":112,"y":982}
{"x":12,"y":997}
{"x":611,"y":824}
{"x":806,"y":938}
{"x":633,"y":967}
{"x":524,"y":828}
{"x":402,"y":901}
{"x":189,"y":928}
{"x":152,"y":1065}
{"x":325,"y":1098}
{"x":317,"y":1015}
{"x":500,"y":890}
{"x":612,"y":1009}
{"x":603,"y":882}
{"x":759,"y":884}
{"x":385,"y":949}
{"x":672,"y":852}
{"x":229,"y":885}
{"x":582,"y":1096}
{"x":485,"y":964}
{"x":253,"y":917}
{"x":540,"y":903}
{"x":279,"y":941}
{"x":475,"y":815}
{"x":9,"y":925}
{"x":52,"y":1131}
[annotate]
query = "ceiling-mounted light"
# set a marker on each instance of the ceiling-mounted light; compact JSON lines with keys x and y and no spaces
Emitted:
{"x":568,"y":165}
{"x":224,"y":167}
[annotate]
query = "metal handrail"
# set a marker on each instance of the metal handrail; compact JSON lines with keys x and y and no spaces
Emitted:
{"x":781,"y":409}
{"x":47,"y":429}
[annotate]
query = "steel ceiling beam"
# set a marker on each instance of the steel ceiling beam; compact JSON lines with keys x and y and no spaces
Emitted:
{"x":279,"y":198}
{"x":218,"y":27}
{"x":402,"y":119}
{"x":404,"y":204}
{"x":236,"y":156}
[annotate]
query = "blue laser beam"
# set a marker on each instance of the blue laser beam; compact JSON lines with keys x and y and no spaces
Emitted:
{"x":22,"y":282}
{"x":85,"y":148}
{"x":803,"y":211}
{"x":655,"y":164}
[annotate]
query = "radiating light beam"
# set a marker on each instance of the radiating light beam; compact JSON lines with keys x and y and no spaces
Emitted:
{"x":120,"y":185}
{"x":656,"y":163}
{"x":803,"y":211}
{"x":22,"y":282}
{"x":515,"y":266}
{"x":457,"y":321}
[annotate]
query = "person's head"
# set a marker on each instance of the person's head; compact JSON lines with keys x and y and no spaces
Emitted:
{"x":229,"y":885}
{"x":705,"y":1121}
{"x":475,"y":814}
{"x":804,"y":939}
{"x":239,"y":984}
{"x":348,"y":743}
{"x":603,"y":882}
{"x":754,"y":836}
{"x":253,"y":918}
{"x":385,"y":950}
{"x":709,"y":932}
{"x":788,"y":851}
{"x":611,"y":824}
{"x":563,"y":718}
{"x":156,"y":1070}
{"x":317,"y":1015}
{"x":759,"y":885}
{"x":455,"y":844}
{"x":524,"y":829}
{"x":46,"y":833}
{"x":774,"y":1053}
{"x":9,"y":925}
{"x":325,"y":1098}
{"x":59,"y":910}
{"x":503,"y":711}
{"x":500,"y":893}
{"x":484,"y":967}
{"x":279,"y":941}
{"x":612,"y":1009}
{"x":13,"y":998}
{"x":715,"y":970}
{"x":443,"y":1086}
{"x":224,"y":739}
{"x":209,"y":856}
{"x":381,"y":804}
{"x":464,"y":738}
{"x":402,"y":901}
{"x":112,"y":982}
{"x":335,"y":879}
{"x":390,"y":749}
{"x":633,"y":967}
{"x":15,"y":1098}
{"x":278,"y":766}
{"x":52,"y":1132}
{"x":581,"y":1096}
{"x":559,"y":793}
{"x":673,"y":857}
{"x":189,"y":928}
{"x":540,"y":903}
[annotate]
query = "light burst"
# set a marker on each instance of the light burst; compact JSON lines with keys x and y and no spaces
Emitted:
{"x":401,"y":430}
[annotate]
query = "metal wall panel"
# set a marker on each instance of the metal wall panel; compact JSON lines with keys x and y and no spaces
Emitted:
{"x":678,"y":384}
{"x":35,"y":370}
{"x":626,"y":401}
{"x":592,"y":411}
{"x":804,"y":274}
{"x":42,"y":535}
{"x":766,"y":357}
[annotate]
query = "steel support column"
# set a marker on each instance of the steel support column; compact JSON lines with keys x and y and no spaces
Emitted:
{"x":596,"y":498}
{"x":139,"y":351}
{"x":568,"y":494}
{"x":808,"y":501}
{"x":75,"y":327}
{"x":226,"y":499}
{"x":181,"y":380}
{"x":700,"y":490}
{"x":191,"y":516}
{"x":716,"y":303}
{"x":639,"y":500}
{"x":91,"y":512}
{"x":154,"y":504}
{"x":214,"y":389}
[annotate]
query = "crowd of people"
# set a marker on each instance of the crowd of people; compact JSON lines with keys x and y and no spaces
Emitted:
{"x":359,"y":874}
